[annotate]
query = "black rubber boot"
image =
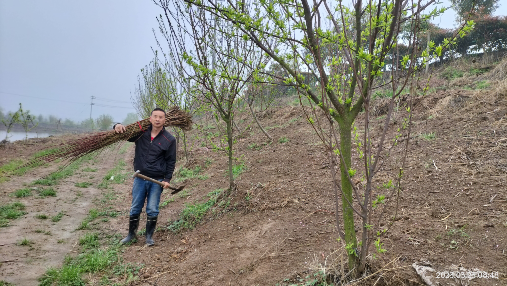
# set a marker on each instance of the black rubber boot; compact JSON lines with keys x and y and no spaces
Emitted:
{"x":133,"y":225}
{"x":151,"y":223}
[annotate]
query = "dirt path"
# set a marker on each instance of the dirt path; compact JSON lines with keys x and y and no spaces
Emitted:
{"x":49,"y":227}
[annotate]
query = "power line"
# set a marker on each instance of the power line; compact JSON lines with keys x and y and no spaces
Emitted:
{"x":103,"y":105}
{"x":42,"y":97}
{"x":111,"y":100}
{"x":61,"y":100}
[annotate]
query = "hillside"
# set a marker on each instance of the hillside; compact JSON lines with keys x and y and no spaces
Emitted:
{"x":278,"y":227}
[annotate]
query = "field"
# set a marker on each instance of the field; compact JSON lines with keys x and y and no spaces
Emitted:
{"x":278,"y":227}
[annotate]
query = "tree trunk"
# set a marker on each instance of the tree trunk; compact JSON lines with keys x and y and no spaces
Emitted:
{"x":258,"y":123}
{"x":428,"y":50}
{"x":348,"y":213}
{"x":177,"y":136}
{"x":185,"y":146}
{"x":230,"y":142}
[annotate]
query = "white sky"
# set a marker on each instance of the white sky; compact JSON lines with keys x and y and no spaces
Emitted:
{"x":56,"y":54}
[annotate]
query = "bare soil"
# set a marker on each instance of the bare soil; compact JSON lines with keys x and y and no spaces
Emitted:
{"x":50,"y":241}
{"x":280,"y":226}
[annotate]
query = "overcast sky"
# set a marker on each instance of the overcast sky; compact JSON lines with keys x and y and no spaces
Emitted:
{"x":56,"y":54}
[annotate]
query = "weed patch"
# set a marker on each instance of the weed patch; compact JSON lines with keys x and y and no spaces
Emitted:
{"x":255,"y":146}
{"x":25,"y":242}
{"x":57,"y":217}
{"x":21,"y":193}
{"x":54,"y":178}
{"x":46,"y":232}
{"x":283,"y":140}
{"x":114,"y":176}
{"x":105,"y":262}
{"x":89,"y":240}
{"x":319,"y":278}
{"x":9,"y":168}
{"x":382,"y":94}
{"x":183,"y":194}
{"x":483,"y":84}
{"x":451,"y":73}
{"x":479,"y":71}
{"x":13,"y":167}
{"x":46,"y":152}
{"x":238,"y":170}
{"x":185,"y":173}
{"x":47,"y":193}
{"x":166,"y":202}
{"x":428,"y":136}
{"x":67,"y":275}
{"x":92,"y":215}
{"x":109,"y":213}
{"x":457,"y":238}
{"x":42,"y":216}
{"x":193,"y":213}
{"x":83,"y":185}
{"x":203,"y":177}
{"x":10,"y":212}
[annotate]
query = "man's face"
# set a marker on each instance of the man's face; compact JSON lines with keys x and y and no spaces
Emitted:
{"x":157,"y":118}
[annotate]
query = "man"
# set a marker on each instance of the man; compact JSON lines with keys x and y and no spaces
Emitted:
{"x":155,"y":157}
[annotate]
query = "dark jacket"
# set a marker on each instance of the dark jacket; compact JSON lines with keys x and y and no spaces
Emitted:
{"x":155,"y":159}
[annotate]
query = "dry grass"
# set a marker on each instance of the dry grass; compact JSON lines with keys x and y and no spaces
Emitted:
{"x":501,"y":89}
{"x":499,"y":73}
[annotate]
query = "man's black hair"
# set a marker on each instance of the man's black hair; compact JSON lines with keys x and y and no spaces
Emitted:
{"x":158,"y":109}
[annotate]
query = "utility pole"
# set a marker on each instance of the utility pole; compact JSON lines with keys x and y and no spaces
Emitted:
{"x":91,"y":106}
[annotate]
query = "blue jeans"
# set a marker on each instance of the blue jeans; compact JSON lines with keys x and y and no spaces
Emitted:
{"x":145,"y":191}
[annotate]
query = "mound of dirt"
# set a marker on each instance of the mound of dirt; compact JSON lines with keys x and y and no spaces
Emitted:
{"x":499,"y":73}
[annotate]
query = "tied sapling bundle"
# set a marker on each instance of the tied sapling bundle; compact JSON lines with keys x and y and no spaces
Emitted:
{"x":76,"y":148}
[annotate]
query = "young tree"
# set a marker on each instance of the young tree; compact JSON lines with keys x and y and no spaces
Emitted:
{"x":347,"y":54}
{"x":218,"y":68}
{"x":69,"y":123}
{"x":87,"y":124}
{"x":489,"y":34}
{"x":157,"y":87}
{"x":131,"y":118}
{"x":52,"y":119}
{"x":475,"y":8}
{"x":25,"y":119}
{"x":257,"y":92}
{"x":105,"y":121}
{"x":8,"y":121}
{"x":153,"y":85}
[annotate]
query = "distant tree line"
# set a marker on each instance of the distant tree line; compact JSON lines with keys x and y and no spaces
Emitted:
{"x":29,"y":121}
{"x":488,"y":35}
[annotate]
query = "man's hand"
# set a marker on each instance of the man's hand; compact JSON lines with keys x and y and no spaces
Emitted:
{"x":118,"y":128}
{"x":166,"y":185}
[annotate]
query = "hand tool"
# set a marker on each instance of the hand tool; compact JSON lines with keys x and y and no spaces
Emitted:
{"x":175,"y":189}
